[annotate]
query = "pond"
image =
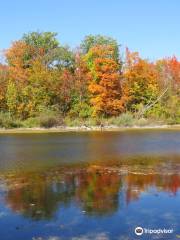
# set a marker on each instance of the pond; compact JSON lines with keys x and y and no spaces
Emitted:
{"x":90,"y":185}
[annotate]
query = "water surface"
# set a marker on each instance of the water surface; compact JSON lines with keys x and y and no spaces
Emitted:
{"x":91,"y":185}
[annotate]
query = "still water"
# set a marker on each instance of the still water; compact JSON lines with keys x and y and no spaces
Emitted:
{"x":90,"y":185}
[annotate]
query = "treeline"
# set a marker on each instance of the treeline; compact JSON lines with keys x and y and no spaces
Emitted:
{"x":42,"y":80}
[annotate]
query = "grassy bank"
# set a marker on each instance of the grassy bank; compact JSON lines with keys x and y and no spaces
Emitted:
{"x":54,"y":123}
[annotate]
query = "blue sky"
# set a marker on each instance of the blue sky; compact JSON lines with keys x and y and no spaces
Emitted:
{"x":150,"y":27}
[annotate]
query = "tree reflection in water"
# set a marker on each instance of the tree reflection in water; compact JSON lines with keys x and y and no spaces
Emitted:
{"x":95,"y":189}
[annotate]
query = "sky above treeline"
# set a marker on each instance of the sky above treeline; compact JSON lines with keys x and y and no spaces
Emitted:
{"x":149,"y":27}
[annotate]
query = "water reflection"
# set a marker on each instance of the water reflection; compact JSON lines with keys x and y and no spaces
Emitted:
{"x":89,"y":186}
{"x":95,"y":189}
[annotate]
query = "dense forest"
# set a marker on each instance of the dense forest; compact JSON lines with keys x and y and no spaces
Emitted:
{"x":44,"y":83}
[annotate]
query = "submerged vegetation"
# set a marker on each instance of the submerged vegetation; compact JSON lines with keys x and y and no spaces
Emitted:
{"x":46,"y":84}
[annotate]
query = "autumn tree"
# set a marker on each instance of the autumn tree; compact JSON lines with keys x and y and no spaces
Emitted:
{"x":105,"y":86}
{"x":141,"y":82}
{"x":40,"y":69}
{"x":18,"y":67}
{"x":4,"y":75}
{"x":169,"y":70}
{"x":80,"y":97}
{"x":21,"y":70}
{"x":17,"y":60}
{"x":169,"y":80}
{"x":12,"y":98}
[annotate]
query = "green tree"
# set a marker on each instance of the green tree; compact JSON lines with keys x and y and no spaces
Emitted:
{"x":45,"y":41}
{"x":47,"y":47}
{"x":95,"y":40}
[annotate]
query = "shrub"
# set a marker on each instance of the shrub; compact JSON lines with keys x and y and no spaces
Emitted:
{"x":48,"y":121}
{"x":7,"y":121}
{"x":49,"y":118}
{"x":91,"y":122}
{"x":80,"y":110}
{"x":172,"y":121}
{"x":31,"y":122}
{"x":142,"y":122}
{"x":125,"y":119}
{"x":73,"y":122}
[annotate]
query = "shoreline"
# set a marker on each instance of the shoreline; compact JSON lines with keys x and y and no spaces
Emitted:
{"x":88,"y":129}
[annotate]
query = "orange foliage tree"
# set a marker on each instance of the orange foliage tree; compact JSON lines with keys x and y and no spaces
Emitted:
{"x":140,"y":80}
{"x":169,"y":70}
{"x":105,"y":85}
